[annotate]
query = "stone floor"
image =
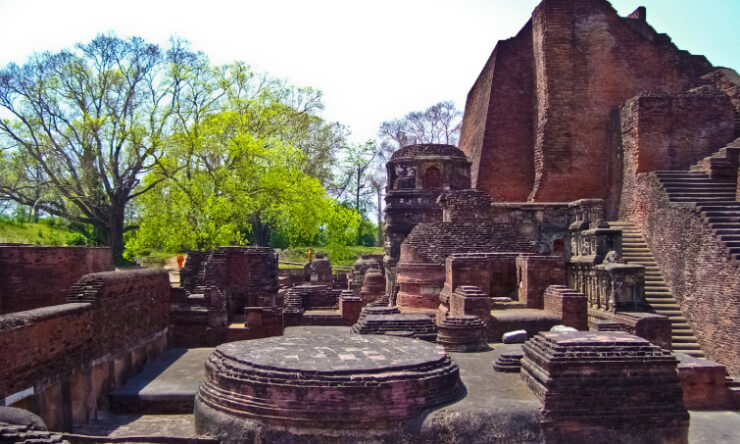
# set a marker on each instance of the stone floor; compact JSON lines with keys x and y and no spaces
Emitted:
{"x":173,"y":378}
{"x":484,"y":387}
{"x":127,"y":425}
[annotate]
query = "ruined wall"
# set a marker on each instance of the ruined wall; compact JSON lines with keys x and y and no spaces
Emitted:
{"x":727,"y":81}
{"x":68,"y":357}
{"x":585,"y":61}
{"x":246,"y":275}
{"x":33,"y":276}
{"x":695,"y":264}
{"x":673,"y":131}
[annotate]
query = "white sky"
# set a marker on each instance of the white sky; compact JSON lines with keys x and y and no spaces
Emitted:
{"x":374,"y":60}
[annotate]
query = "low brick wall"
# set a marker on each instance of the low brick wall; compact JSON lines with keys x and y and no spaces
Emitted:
{"x":60,"y":362}
{"x":34,"y":276}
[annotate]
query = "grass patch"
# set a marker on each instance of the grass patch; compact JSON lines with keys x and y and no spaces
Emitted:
{"x":36,"y":234}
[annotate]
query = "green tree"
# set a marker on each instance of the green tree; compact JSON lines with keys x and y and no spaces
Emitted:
{"x":237,"y":166}
{"x":82,"y":127}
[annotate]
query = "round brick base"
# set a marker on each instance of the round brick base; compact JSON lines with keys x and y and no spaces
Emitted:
{"x":322,"y":382}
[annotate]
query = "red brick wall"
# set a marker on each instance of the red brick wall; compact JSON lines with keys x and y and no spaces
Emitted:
{"x":42,"y":342}
{"x":588,"y":61}
{"x":500,"y":141}
{"x":34,"y":277}
{"x":535,"y":274}
{"x":114,"y":323}
{"x":673,"y":131}
{"x":544,"y":100}
{"x":696,"y":266}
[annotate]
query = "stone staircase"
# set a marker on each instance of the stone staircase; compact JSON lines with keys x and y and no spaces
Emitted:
{"x":657,"y":293}
{"x":711,"y":186}
{"x":722,"y":164}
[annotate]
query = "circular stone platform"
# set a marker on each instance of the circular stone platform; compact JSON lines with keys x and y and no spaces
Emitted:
{"x":322,"y":381}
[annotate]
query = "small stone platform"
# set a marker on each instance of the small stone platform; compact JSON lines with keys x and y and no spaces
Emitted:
{"x":325,"y":382}
{"x":167,"y":385}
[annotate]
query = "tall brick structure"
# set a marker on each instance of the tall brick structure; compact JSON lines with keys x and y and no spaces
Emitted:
{"x":537,"y":119}
{"x":417,"y":175}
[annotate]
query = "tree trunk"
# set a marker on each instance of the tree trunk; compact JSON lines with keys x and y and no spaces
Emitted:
{"x":261,"y":232}
{"x":357,"y":204}
{"x":114,"y":231}
{"x":380,"y":240}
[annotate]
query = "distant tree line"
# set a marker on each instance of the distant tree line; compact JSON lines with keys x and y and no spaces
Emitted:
{"x":154,"y":148}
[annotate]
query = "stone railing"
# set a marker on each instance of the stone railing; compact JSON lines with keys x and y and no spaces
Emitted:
{"x":610,"y":287}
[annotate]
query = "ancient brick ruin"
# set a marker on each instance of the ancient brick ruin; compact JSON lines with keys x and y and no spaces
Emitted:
{"x":590,"y":210}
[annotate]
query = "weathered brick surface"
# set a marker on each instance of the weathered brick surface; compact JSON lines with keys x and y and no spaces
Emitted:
{"x":702,"y":277}
{"x":592,"y":385}
{"x":325,"y":382}
{"x":673,"y":131}
{"x":417,"y":174}
{"x":568,"y":305}
{"x":534,"y":274}
{"x":21,"y":285}
{"x":462,"y":334}
{"x":499,"y":125}
{"x":74,"y":353}
{"x":544,"y":99}
{"x":470,"y":300}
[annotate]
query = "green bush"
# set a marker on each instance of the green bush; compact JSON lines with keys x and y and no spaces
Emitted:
{"x":77,"y":239}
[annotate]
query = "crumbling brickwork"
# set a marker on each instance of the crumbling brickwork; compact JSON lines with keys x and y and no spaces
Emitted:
{"x":21,"y":285}
{"x":672,"y":131}
{"x":592,"y":384}
{"x":246,"y":275}
{"x":73,"y":354}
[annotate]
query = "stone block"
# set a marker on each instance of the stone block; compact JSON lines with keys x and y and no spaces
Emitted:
{"x":514,"y":337}
{"x":591,"y":386}
{"x":470,"y":300}
{"x":350,"y":306}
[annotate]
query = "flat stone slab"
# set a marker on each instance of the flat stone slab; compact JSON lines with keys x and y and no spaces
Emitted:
{"x":332,"y":354}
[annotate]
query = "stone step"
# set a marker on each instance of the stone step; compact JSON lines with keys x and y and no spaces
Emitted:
{"x":726,"y":226}
{"x":679,"y":173}
{"x":664,"y":304}
{"x":710,"y":185}
{"x":636,"y":251}
{"x":721,"y":213}
{"x":669,"y":313}
{"x":726,"y":231}
{"x":702,"y":195}
{"x":696,"y":199}
{"x":731,"y":204}
{"x":683,"y":339}
{"x":694,"y":353}
{"x":722,"y":219}
{"x":692,"y":347}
